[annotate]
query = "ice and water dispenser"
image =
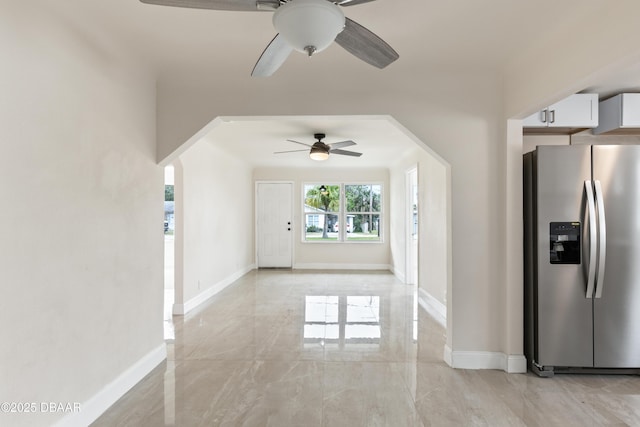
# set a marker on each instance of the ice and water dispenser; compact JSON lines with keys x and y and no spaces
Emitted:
{"x":564,"y":239}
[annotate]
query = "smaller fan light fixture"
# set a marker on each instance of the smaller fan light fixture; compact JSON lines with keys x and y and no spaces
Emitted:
{"x":309,"y":25}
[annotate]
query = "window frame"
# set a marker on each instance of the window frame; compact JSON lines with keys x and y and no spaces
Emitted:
{"x":341,"y":213}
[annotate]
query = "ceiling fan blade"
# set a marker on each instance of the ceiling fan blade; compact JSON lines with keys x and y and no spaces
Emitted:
{"x":237,"y":5}
{"x":345,"y":153}
{"x":341,"y":144}
{"x":352,"y":2}
{"x":290,"y":151}
{"x":365,"y":45}
{"x":272,"y":58}
{"x":301,"y":143}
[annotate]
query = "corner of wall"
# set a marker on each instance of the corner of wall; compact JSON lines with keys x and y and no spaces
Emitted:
{"x":399,"y":274}
{"x":431,"y":305}
{"x":93,"y":408}
{"x":193,"y":303}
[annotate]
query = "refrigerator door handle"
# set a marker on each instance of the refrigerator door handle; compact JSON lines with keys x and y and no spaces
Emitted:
{"x":602,"y":239}
{"x":591,"y":206}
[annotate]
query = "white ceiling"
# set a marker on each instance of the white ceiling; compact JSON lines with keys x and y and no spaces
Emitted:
{"x":211,"y":46}
{"x":256,"y":139}
{"x":454,"y":33}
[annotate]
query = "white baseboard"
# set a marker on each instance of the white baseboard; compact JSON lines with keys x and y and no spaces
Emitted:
{"x":101,"y":401}
{"x":399,"y":275}
{"x":182,"y":309}
{"x":435,"y":308}
{"x":330,"y":266}
{"x":448,"y":357}
{"x":516,"y":364}
{"x":513,"y":364}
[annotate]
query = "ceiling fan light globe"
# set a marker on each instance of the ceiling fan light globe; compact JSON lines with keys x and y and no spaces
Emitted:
{"x":309,"y":25}
{"x":319,"y":156}
{"x":319,"y":151}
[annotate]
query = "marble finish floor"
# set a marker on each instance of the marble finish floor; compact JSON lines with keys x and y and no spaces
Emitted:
{"x":300,"y":348}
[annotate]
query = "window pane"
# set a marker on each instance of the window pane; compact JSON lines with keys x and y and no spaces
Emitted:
{"x":315,"y":227}
{"x":321,"y":206}
{"x":363,"y":198}
{"x":321,"y":198}
{"x":376,"y":205}
{"x":365,"y":227}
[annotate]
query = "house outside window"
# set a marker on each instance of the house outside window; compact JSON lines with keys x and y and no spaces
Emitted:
{"x":313,"y":221}
{"x":344,"y":212}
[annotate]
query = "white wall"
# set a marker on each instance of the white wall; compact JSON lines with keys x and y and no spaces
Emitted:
{"x":81,"y":241}
{"x":329,"y":255}
{"x":398,"y":215}
{"x":217,"y":205}
{"x":577,"y":55}
{"x":433,"y":231}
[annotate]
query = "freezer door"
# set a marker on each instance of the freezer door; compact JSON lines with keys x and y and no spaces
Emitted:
{"x":563,"y":319}
{"x":617,"y":311}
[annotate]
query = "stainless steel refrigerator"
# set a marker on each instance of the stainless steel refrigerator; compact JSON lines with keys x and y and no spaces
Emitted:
{"x":582,"y":258}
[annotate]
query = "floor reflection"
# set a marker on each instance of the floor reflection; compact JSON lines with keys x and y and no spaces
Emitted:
{"x":288,"y":348}
{"x":168,"y":326}
{"x":285,"y":348}
{"x":342,"y":322}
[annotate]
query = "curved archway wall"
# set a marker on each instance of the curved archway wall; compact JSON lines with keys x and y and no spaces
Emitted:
{"x":457,"y":114}
{"x":228,"y":151}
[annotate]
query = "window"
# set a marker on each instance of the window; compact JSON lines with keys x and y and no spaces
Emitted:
{"x":363,"y":211}
{"x":342,"y":212}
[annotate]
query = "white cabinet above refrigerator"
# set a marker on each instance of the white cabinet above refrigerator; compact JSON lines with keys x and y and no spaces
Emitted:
{"x":620,"y":115}
{"x":579,"y":111}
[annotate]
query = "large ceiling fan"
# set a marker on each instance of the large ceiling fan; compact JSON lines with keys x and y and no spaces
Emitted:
{"x":320,"y":151}
{"x":308,"y":26}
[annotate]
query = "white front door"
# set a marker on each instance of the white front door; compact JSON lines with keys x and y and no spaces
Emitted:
{"x":274,"y":225}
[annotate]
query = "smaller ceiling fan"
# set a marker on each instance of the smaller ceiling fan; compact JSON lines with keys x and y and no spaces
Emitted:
{"x":320,"y":151}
